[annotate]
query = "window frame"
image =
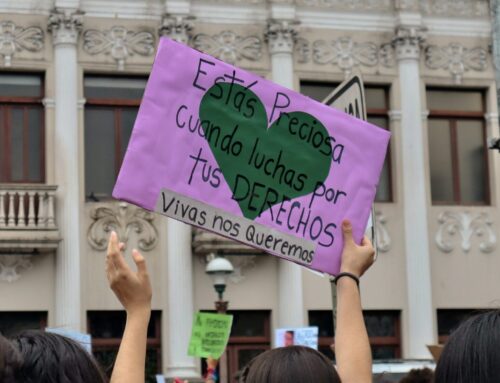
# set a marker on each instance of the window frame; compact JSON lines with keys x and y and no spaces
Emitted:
{"x":106,"y":344}
{"x":395,"y":341}
{"x":116,"y":105}
{"x":384,"y":113}
{"x":7,"y":104}
{"x":452,"y":117}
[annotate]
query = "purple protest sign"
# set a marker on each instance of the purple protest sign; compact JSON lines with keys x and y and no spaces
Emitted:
{"x":223,"y":149}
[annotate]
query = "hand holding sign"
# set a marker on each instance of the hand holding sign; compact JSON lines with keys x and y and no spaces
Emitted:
{"x":356,"y":259}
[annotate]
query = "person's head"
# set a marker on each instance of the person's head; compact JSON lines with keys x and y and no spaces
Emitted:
{"x":472,"y":352}
{"x":290,"y":364}
{"x":43,"y":357}
{"x":419,"y":375}
{"x":288,"y":338}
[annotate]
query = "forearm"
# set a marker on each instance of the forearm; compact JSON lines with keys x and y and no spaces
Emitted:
{"x":131,"y":359}
{"x":352,"y":347}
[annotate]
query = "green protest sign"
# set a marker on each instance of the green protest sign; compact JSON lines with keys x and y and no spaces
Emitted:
{"x":210,"y":335}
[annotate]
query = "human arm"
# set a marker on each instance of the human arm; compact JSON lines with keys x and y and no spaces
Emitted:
{"x":352,"y":347}
{"x":133,"y":290}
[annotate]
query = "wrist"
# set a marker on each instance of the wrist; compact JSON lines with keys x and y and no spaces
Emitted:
{"x":348,"y":270}
{"x":346,"y":276}
{"x":139,"y":312}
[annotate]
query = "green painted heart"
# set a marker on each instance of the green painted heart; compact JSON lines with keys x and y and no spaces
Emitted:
{"x":263,"y":166}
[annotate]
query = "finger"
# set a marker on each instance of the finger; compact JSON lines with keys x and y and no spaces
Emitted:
{"x":366,"y":242}
{"x":140,"y":262}
{"x":347,"y":231}
{"x":112,"y":243}
{"x":114,"y":253}
{"x":121,"y":246}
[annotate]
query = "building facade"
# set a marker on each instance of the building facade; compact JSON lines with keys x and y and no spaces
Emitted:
{"x":72,"y":73}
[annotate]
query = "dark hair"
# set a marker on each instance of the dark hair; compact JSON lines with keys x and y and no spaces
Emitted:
{"x":10,"y":360}
{"x":290,"y":364}
{"x":419,"y":375}
{"x":41,"y":357}
{"x":472,"y":352}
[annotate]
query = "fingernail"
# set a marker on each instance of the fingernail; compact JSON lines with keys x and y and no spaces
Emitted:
{"x":346,"y":224}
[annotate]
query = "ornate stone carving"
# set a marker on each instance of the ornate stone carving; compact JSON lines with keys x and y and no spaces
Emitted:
{"x":407,"y":42}
{"x":344,"y":53}
{"x":464,"y":8}
{"x":124,"y":219}
{"x":466,"y":225}
{"x":118,"y":42}
{"x":177,"y":27}
{"x":65,"y":26}
{"x":407,"y":5}
{"x":229,"y":47}
{"x":14,"y":38}
{"x":381,"y":233}
{"x":11,"y":266}
{"x":456,"y":59}
{"x":281,"y":36}
{"x":349,"y":5}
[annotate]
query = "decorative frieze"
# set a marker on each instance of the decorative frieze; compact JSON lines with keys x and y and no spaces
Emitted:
{"x":229,"y":47}
{"x":281,"y":36}
{"x":344,"y":53}
{"x":349,"y":5}
{"x":11,"y":266}
{"x":177,"y":27}
{"x":65,"y":26}
{"x":463,"y":8}
{"x":464,"y":226}
{"x":124,"y":219}
{"x":118,"y":42}
{"x":14,"y":38}
{"x":457,"y":59}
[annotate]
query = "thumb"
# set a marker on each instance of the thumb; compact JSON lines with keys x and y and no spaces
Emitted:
{"x":347,"y":230}
{"x":140,"y":262}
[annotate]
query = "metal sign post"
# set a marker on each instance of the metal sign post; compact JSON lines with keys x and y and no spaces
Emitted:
{"x":349,"y":97}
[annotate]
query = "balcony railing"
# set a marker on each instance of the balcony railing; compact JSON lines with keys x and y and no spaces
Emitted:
{"x":27,"y":217}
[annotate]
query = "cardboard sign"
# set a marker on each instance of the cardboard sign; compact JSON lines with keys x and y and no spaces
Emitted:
{"x":228,"y":151}
{"x":210,"y":335}
{"x":349,"y":97}
{"x":304,"y":336}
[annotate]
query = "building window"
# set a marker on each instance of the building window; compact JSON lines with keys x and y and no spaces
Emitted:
{"x":106,"y":328}
{"x":14,"y":322}
{"x":22,"y":135}
{"x":111,"y":107}
{"x":457,"y":147}
{"x":450,"y":319}
{"x":383,"y":328}
{"x":377,"y":108}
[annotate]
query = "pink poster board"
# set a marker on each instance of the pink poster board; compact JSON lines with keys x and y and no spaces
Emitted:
{"x":226,"y":150}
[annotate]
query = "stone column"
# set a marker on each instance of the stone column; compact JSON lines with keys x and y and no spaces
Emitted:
{"x":281,"y":37}
{"x":421,"y":317}
{"x":180,"y":309}
{"x":65,"y":26}
{"x":178,"y":317}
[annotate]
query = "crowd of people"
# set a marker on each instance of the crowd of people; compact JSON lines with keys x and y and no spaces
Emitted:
{"x":470,"y":356}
